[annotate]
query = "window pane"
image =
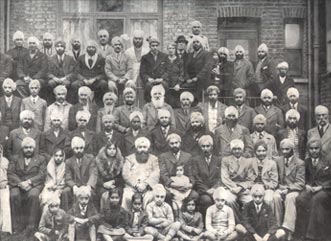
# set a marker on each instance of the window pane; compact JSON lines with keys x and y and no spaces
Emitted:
{"x":115,"y":27}
{"x":142,"y":6}
{"x":149,"y":26}
{"x":294,"y":58}
{"x":76,"y":27}
{"x":72,"y":6}
{"x":292,"y":36}
{"x":110,"y":5}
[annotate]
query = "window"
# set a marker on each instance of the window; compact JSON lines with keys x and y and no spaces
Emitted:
{"x":293,"y":45}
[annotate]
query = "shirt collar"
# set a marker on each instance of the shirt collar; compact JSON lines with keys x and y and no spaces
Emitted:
{"x":9,"y":99}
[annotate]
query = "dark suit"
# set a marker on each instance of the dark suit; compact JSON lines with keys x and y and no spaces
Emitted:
{"x":304,"y":117}
{"x":246,"y":116}
{"x":102,"y":140}
{"x":204,"y":109}
{"x":16,"y":54}
{"x":224,"y":79}
{"x":90,"y":138}
{"x":64,"y":69}
{"x":267,"y":72}
{"x":279,"y":89}
{"x":93,"y":109}
{"x":159,"y":141}
{"x":302,"y":140}
{"x":183,"y":56}
{"x":190,"y":140}
{"x":313,"y":133}
{"x":183,"y":119}
{"x":6,"y":67}
{"x":275,"y":118}
{"x":49,"y":142}
{"x":129,"y":139}
{"x":12,"y":117}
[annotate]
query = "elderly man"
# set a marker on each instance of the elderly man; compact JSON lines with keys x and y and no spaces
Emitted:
{"x":259,"y":134}
{"x":105,"y":48}
{"x":26,"y":176}
{"x":80,"y":170}
{"x":274,"y":115}
{"x":141,"y":173}
{"x":152,"y":67}
{"x":109,"y":100}
{"x":85,"y":103}
{"x":212,"y":109}
{"x":91,"y":72}
{"x":75,"y":51}
{"x":291,"y":172}
{"x":183,"y":114}
{"x":26,"y":129}
{"x":265,"y":70}
{"x":60,"y":105}
{"x":157,"y":102}
{"x":322,"y":131}
{"x":294,"y":133}
{"x":229,"y":131}
{"x":33,"y":65}
{"x":196,"y":31}
{"x":10,"y":105}
{"x":206,"y":172}
{"x":47,"y":47}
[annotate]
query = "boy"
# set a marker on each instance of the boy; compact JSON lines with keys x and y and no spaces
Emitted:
{"x":160,"y":216}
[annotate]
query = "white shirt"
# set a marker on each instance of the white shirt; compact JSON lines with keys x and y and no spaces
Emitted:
{"x":34,"y":99}
{"x":282,"y":79}
{"x":212,"y":117}
{"x":9,"y":100}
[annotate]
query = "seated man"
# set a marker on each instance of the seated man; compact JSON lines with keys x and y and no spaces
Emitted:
{"x":183,"y":114}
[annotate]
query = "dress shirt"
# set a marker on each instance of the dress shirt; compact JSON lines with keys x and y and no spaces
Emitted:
{"x":212,"y":117}
{"x":9,"y":100}
{"x":282,"y":79}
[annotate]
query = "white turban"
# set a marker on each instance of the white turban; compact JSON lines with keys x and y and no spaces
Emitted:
{"x":34,"y":82}
{"x":91,"y":43}
{"x":159,"y":189}
{"x":77,"y":142}
{"x":223,"y":50}
{"x":197,"y":116}
{"x":282,"y":65}
{"x":157,"y":88}
{"x":138,"y":33}
{"x":112,"y":95}
{"x":60,"y":88}
{"x":136,"y":114}
{"x":53,"y":199}
{"x":321,"y":109}
{"x":85,"y":90}
{"x":174,"y":136}
{"x":231,"y":110}
{"x":117,"y":39}
{"x":257,"y":189}
{"x":239,"y":48}
{"x":108,"y":117}
{"x":27,"y":141}
{"x":56,"y":115}
{"x":10,"y":82}
{"x":220,"y":192}
{"x":292,"y":91}
{"x":83,"y":113}
{"x":237,"y":143}
{"x":287,"y":143}
{"x":33,"y":39}
{"x":187,"y":95}
{"x":47,"y":35}
{"x":26,"y":114}
{"x":239,"y":91}
{"x":162,"y":113}
{"x":205,"y":140}
{"x":197,"y":38}
{"x":213,"y":88}
{"x":266,"y":92}
{"x":259,"y":118}
{"x":129,"y":90}
{"x":142,"y":141}
{"x":83,"y":191}
{"x":263,"y":47}
{"x":196,"y":23}
{"x":292,"y":113}
{"x":18,"y":34}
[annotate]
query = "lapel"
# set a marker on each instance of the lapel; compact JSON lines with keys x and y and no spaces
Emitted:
{"x":76,"y":167}
{"x":35,"y":57}
{"x":326,"y":136}
{"x":32,"y":163}
{"x":84,"y":165}
{"x":226,"y":133}
{"x":213,"y":164}
{"x":281,"y":168}
{"x":243,"y":110}
{"x":291,"y":166}
{"x":153,"y":112}
{"x":88,"y":136}
{"x":159,"y":59}
{"x":95,"y":59}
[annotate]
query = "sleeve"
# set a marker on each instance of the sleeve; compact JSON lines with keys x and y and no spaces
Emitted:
{"x":299,"y":183}
{"x":272,"y":181}
{"x":231,"y":221}
{"x":209,"y":226}
{"x":39,"y":179}
{"x":250,"y":176}
{"x":20,"y":68}
{"x":151,"y":220}
{"x":48,"y":119}
{"x":43,"y":224}
{"x":246,"y":220}
{"x":72,"y":119}
{"x":225,"y":175}
{"x":250,"y":74}
{"x":200,"y":187}
{"x":164,"y":174}
{"x":109,"y":70}
{"x":42,"y":73}
{"x":93,"y":173}
{"x":68,"y":175}
{"x":143,"y":70}
{"x":126,"y":173}
{"x":184,"y":226}
{"x":249,"y":146}
{"x":7,"y":68}
{"x":13,"y":178}
{"x":129,"y":69}
{"x":206,"y":68}
{"x":272,"y":223}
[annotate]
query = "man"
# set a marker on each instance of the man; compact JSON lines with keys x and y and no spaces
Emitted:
{"x":26,"y":129}
{"x":196,"y":31}
{"x":48,"y":45}
{"x":152,"y":67}
{"x":313,"y":203}
{"x":246,"y":113}
{"x":75,"y":51}
{"x":80,"y":170}
{"x":140,"y":173}
{"x":6,"y":67}
{"x":33,"y":65}
{"x":212,"y":109}
{"x":265,"y":70}
{"x":118,"y":67}
{"x":10,"y":105}
{"x":229,"y":131}
{"x":157,"y":102}
{"x":161,"y":131}
{"x":26,"y":176}
{"x":291,"y":171}
{"x":322,"y":131}
{"x":274,"y":115}
{"x":105,"y":48}
{"x":17,"y":52}
{"x":294,"y":133}
{"x":259,"y":134}
{"x":183,"y":114}
{"x":90,"y":72}
{"x":85,"y":103}
{"x":60,"y":105}
{"x":181,"y":46}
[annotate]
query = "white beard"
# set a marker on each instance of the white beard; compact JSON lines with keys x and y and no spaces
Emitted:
{"x":158,"y":103}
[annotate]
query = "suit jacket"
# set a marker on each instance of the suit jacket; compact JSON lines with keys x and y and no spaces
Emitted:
{"x":243,"y":75}
{"x":275,"y":118}
{"x":91,"y":214}
{"x":16,"y":54}
{"x":129,"y":139}
{"x":183,"y":119}
{"x":122,"y":116}
{"x":292,"y":176}
{"x":93,"y":109}
{"x":141,"y":224}
{"x":204,"y":109}
{"x":90,"y":139}
{"x":108,"y":50}
{"x":184,"y":56}
{"x":6,"y":66}
{"x":319,"y":175}
{"x":223,"y":137}
{"x":35,"y":171}
{"x":325,"y":139}
{"x":75,"y":55}
{"x":174,"y":72}
{"x":85,"y":174}
{"x":149,"y":68}
{"x":270,"y":140}
{"x":83,"y":70}
{"x":150,"y":115}
{"x":261,"y":223}
{"x":36,"y":68}
{"x":279,"y":89}
{"x":225,"y":77}
{"x":49,"y":142}
{"x":269,"y":173}
{"x":167,"y":163}
{"x":206,"y":176}
{"x":15,"y":110}
{"x":159,"y":141}
{"x":117,"y":138}
{"x":39,"y":110}
{"x":268,"y":70}
{"x":302,"y":140}
{"x":246,"y":116}
{"x":303,"y":123}
{"x":190,"y":141}
{"x":67,"y":68}
{"x":118,"y":68}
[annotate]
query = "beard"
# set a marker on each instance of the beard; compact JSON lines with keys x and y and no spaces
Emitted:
{"x":231,"y":123}
{"x":196,"y":128}
{"x":239,"y":56}
{"x":28,"y":154}
{"x":292,"y":125}
{"x":158,"y":103}
{"x":79,"y":154}
{"x":142,"y":157}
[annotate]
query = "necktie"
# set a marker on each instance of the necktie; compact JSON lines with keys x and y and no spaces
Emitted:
{"x":60,"y":62}
{"x":286,"y":162}
{"x":314,"y":161}
{"x":321,"y":130}
{"x":258,"y":208}
{"x":90,"y":62}
{"x":260,"y":136}
{"x":165,"y":132}
{"x":33,"y":100}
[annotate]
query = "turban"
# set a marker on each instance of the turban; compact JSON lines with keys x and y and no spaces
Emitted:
{"x":197,"y":116}
{"x":292,"y":113}
{"x":321,"y":109}
{"x":163,"y":113}
{"x":287,"y":143}
{"x":239,"y":91}
{"x":257,"y":189}
{"x":117,"y":39}
{"x":197,"y":38}
{"x":138,"y":33}
{"x":282,"y":65}
{"x":157,"y":88}
{"x":221,"y":193}
{"x":53,"y":199}
{"x":56,"y":115}
{"x":187,"y":95}
{"x":213,"y":88}
{"x":266,"y":92}
{"x":259,"y":119}
{"x":263,"y":47}
{"x":131,"y":84}
{"x":159,"y":189}
{"x":47,"y":35}
{"x":34,"y":82}
{"x":153,"y":40}
{"x":142,"y":141}
{"x":103,"y":32}
{"x":292,"y":91}
{"x":18,"y":34}
{"x":239,"y":48}
{"x":314,"y":140}
{"x":83,"y":114}
{"x":10,"y":82}
{"x":196,"y":23}
{"x":237,"y":143}
{"x":111,"y":95}
{"x":60,"y":42}
{"x":128,"y":90}
{"x":28,"y":141}
{"x":85,"y":90}
{"x":91,"y":43}
{"x":33,"y":39}
{"x":26,"y":114}
{"x":108,"y":117}
{"x":83,"y":191}
{"x":174,"y":136}
{"x":60,"y":88}
{"x":231,"y":110}
{"x":77,"y":142}
{"x":136,"y":114}
{"x":223,"y":50}
{"x":205,"y":140}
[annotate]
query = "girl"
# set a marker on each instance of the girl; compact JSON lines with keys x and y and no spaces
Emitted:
{"x":5,"y":216}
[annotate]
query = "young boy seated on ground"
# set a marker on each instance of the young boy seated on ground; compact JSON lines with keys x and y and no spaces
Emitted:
{"x":160,"y":216}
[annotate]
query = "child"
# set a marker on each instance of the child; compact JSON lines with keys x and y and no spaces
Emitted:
{"x":53,"y":222}
{"x":114,"y":218}
{"x":35,"y":104}
{"x":83,"y":216}
{"x":138,"y":220}
{"x":160,"y":216}
{"x":191,"y":221}
{"x":55,"y":177}
{"x":5,"y":216}
{"x":220,"y":222}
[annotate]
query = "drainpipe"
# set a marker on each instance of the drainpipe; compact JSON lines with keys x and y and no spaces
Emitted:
{"x":316,"y":47}
{"x":310,"y":59}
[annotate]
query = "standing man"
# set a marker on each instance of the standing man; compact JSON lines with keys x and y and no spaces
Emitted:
{"x":48,"y":45}
{"x":181,"y":45}
{"x":105,"y":48}
{"x":196,"y":31}
{"x":76,"y":45}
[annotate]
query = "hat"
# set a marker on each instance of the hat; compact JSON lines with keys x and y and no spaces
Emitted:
{"x":181,"y":38}
{"x":53,"y":198}
{"x":77,"y":142}
{"x":223,"y":50}
{"x":142,"y":141}
{"x":257,"y":189}
{"x":128,"y":90}
{"x":18,"y":34}
{"x":85,"y":90}
{"x":231,"y":110}
{"x":197,"y":38}
{"x":237,"y":143}
{"x":159,"y":189}
{"x":10,"y":82}
{"x":116,"y":39}
{"x":26,"y":114}
{"x":187,"y":95}
{"x":263,"y":47}
{"x":112,"y":95}
{"x":292,"y":113}
{"x":34,"y":82}
{"x":28,"y":141}
{"x":282,"y":65}
{"x":205,"y":140}
{"x":83,"y":113}
{"x":266,"y":92}
{"x":197,"y":116}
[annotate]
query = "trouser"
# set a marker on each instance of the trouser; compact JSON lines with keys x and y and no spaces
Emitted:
{"x":274,"y":200}
{"x":290,"y":211}
{"x":246,"y":236}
